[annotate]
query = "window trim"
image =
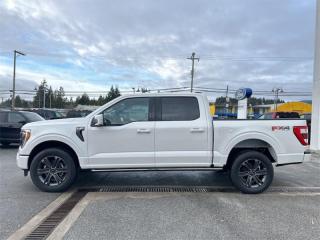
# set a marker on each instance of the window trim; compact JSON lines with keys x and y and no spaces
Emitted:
{"x":159,"y":109}
{"x":151,"y":111}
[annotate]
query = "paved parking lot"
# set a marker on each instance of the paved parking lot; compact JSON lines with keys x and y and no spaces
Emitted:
{"x":273,"y":215}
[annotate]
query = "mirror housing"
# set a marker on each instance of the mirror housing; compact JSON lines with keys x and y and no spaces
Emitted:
{"x":97,"y":121}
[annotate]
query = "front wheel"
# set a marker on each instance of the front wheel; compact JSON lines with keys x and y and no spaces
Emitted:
{"x":252,"y":172}
{"x":53,"y":170}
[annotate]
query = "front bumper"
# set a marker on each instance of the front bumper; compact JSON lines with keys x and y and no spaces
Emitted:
{"x":22,"y":161}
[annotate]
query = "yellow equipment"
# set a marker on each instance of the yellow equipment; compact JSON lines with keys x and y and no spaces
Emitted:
{"x":299,"y":107}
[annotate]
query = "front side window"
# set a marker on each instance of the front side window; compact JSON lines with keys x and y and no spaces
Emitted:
{"x":179,"y":109}
{"x":15,"y":118}
{"x":127,"y":111}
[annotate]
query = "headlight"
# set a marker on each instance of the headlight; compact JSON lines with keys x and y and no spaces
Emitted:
{"x":24,"y":136}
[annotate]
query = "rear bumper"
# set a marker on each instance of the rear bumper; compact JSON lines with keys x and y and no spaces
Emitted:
{"x":305,"y":157}
{"x":22,"y":161}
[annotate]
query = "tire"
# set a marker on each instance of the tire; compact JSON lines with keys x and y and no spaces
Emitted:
{"x":251,"y":172}
{"x":53,"y":170}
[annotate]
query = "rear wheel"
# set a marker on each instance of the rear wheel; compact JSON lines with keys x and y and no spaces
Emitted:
{"x":53,"y":170}
{"x":251,"y":172}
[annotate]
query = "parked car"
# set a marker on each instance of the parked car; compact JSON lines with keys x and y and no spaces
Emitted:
{"x":48,"y":113}
{"x":279,"y":115}
{"x":11,"y":123}
{"x":160,"y":131}
{"x":77,"y":113}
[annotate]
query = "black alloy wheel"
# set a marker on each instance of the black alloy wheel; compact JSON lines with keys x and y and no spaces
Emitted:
{"x":53,"y":170}
{"x":252,"y":172}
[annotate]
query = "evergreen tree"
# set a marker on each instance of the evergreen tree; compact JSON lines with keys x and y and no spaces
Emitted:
{"x":83,"y":100}
{"x":112,"y":94}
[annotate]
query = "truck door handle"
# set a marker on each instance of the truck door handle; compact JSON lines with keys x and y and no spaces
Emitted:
{"x":196,"y":130}
{"x":143,"y":130}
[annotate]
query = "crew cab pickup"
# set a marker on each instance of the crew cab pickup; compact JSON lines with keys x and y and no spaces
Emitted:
{"x":157,"y":132}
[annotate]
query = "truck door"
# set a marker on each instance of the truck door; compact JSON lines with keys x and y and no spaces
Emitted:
{"x":127,"y":139}
{"x":181,"y":132}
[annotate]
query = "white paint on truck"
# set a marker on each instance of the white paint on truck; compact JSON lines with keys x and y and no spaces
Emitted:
{"x":145,"y":131}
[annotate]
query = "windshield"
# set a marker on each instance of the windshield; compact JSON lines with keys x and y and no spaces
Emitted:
{"x":33,"y":117}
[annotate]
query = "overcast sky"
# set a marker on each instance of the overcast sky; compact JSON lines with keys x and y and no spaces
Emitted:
{"x":91,"y":45}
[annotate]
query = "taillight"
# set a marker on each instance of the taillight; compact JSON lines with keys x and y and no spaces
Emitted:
{"x":301,"y":133}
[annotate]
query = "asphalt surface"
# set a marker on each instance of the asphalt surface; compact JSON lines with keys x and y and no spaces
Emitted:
{"x":171,"y":215}
{"x":200,"y":216}
{"x":19,"y":199}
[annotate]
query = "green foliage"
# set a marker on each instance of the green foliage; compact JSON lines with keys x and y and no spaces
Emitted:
{"x":85,"y":99}
{"x":52,"y":99}
{"x":221,"y":101}
{"x":112,"y":94}
{"x":19,"y":103}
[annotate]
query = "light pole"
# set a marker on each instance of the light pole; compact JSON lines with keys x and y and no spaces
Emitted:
{"x":16,"y":54}
{"x":44,"y":97}
{"x":192,"y":58}
{"x":276,"y":97}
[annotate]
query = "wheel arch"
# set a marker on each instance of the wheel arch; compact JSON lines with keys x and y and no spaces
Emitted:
{"x":253,"y":144}
{"x":53,"y":144}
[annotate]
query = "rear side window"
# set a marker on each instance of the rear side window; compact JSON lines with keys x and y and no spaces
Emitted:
{"x":3,"y":117}
{"x":179,"y":109}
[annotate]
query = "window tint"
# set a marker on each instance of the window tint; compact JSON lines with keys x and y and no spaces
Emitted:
{"x":179,"y":108}
{"x":127,"y":111}
{"x":15,"y":118}
{"x":50,"y":114}
{"x":3,"y":117}
{"x":32,"y":117}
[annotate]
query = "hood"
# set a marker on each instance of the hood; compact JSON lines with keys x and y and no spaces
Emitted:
{"x":55,"y":122}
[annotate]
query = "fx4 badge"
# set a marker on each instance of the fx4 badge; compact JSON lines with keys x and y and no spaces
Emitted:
{"x":280,"y":128}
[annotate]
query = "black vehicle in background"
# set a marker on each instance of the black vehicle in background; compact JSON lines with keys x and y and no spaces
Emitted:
{"x":11,"y":123}
{"x":280,"y":115}
{"x":78,"y":113}
{"x":47,"y":113}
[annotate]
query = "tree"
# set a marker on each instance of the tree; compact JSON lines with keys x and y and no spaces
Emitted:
{"x":38,"y":98}
{"x":100,"y":101}
{"x":60,"y":99}
{"x":19,"y":103}
{"x":144,"y":90}
{"x":112,"y":94}
{"x":221,"y":101}
{"x":83,"y":100}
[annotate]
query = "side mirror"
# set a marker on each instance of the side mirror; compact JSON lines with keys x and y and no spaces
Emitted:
{"x":97,"y":121}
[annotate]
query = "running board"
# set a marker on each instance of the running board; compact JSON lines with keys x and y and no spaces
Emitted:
{"x":153,"y":169}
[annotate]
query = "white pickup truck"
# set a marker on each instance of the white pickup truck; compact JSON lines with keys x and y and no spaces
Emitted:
{"x":157,"y":132}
